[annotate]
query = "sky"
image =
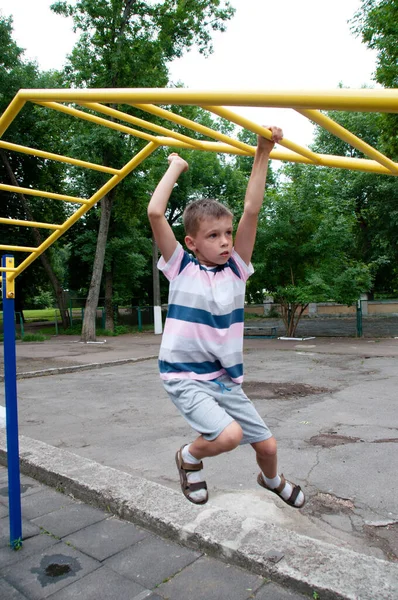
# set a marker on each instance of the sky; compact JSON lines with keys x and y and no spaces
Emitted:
{"x":268,"y":45}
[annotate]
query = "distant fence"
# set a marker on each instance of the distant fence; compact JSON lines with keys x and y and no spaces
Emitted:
{"x":368,"y":318}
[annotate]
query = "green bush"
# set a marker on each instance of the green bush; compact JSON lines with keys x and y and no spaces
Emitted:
{"x":44,"y":299}
{"x":34,"y":337}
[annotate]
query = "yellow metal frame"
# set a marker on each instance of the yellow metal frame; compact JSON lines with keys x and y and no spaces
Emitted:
{"x":307,"y":103}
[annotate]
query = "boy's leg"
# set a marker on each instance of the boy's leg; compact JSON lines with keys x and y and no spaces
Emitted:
{"x":199,"y":403}
{"x":189,"y":460}
{"x":228,"y":439}
{"x":266,"y":455}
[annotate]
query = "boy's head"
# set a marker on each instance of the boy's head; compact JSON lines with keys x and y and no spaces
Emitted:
{"x":209,"y":234}
{"x":201,"y":210}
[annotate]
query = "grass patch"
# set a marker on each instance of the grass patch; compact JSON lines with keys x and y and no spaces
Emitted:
{"x":34,"y":337}
{"x":123,"y":330}
{"x":253,"y":317}
{"x":45,"y":314}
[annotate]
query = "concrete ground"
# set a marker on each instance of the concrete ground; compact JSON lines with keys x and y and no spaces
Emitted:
{"x":330,"y":404}
{"x":73,"y":550}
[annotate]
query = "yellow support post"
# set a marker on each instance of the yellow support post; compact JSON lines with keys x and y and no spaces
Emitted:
{"x":10,"y":113}
{"x":10,"y":283}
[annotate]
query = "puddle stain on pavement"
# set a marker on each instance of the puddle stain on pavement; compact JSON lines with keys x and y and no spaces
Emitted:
{"x":56,"y":567}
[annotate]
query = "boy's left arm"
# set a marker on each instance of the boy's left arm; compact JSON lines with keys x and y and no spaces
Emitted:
{"x":247,"y":228}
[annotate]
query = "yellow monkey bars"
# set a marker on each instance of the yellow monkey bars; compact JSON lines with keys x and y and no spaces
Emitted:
{"x":96,"y":101}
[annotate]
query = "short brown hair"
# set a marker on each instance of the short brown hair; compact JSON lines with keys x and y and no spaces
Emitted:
{"x":199,"y":210}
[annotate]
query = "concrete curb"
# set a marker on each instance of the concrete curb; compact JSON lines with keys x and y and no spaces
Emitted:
{"x":304,"y":563}
{"x":74,"y":368}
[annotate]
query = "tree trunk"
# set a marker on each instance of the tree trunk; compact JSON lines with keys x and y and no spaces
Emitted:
{"x":157,"y":308}
{"x":90,"y":312}
{"x":109,"y":316}
{"x":59,"y":292}
{"x":88,"y":328}
{"x":291,"y":315}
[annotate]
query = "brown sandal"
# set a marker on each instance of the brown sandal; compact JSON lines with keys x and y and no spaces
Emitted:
{"x":293,"y":496}
{"x":186,"y":487}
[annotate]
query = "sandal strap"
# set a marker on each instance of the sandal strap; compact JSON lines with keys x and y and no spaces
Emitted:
{"x":191,"y":466}
{"x":295,"y":493}
{"x":282,"y":484}
{"x":296,"y":489}
{"x":194,"y":487}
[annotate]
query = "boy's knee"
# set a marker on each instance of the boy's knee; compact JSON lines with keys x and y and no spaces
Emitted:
{"x":231,"y":437}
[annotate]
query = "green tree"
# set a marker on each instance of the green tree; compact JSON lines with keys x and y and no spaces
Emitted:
{"x":376,"y":22}
{"x":304,"y":247}
{"x":128,"y":43}
{"x":374,"y":198}
{"x":24,"y":170}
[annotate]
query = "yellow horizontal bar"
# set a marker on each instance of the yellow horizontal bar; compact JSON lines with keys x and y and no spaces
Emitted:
{"x":345,"y":135}
{"x":28,"y":223}
{"x":340,"y":162}
{"x":374,"y":100}
{"x":30,"y":192}
{"x":326,"y":160}
{"x":105,"y":189}
{"x":7,"y":270}
{"x":49,"y":155}
{"x":166,"y":114}
{"x":98,"y":120}
{"x":11,"y":112}
{"x":17,"y":248}
{"x":141,"y":123}
{"x":243,"y":122}
{"x":210,"y":147}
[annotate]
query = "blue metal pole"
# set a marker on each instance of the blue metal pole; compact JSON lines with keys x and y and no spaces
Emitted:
{"x":10,"y":380}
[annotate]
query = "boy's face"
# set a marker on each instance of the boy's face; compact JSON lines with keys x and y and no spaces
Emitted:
{"x":212,"y":244}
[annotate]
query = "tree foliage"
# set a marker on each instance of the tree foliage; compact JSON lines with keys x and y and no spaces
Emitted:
{"x":374,"y":198}
{"x":304,"y":251}
{"x":324,"y":234}
{"x":128,"y":43}
{"x":376,"y":22}
{"x":19,"y":169}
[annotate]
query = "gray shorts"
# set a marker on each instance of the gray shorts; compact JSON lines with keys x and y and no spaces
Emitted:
{"x":210,"y":406}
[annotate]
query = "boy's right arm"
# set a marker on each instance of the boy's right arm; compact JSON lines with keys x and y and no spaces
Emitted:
{"x":162,"y":232}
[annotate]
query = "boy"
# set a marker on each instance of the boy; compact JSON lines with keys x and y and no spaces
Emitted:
{"x":201,"y":355}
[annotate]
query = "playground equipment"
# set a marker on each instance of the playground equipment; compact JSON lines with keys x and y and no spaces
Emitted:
{"x":90,"y":104}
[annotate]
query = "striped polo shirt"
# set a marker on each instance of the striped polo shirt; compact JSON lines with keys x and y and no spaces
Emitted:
{"x":203,"y":333}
